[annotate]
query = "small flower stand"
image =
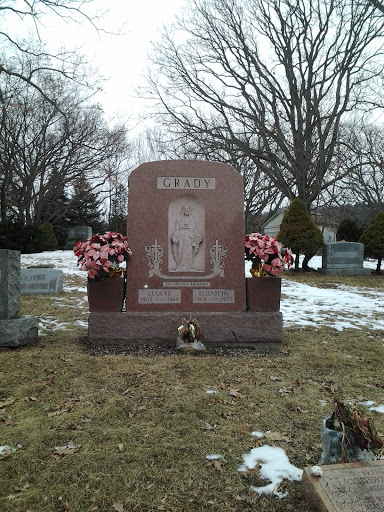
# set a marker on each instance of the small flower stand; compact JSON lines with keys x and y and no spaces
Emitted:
{"x":106,"y":295}
{"x":263,"y":293}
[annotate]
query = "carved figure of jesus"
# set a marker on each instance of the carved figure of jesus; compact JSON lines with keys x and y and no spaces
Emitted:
{"x":186,"y":240}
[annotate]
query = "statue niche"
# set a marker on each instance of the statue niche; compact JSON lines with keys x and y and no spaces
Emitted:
{"x":186,"y":235}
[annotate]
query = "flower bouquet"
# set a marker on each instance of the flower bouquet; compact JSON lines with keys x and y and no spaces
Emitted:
{"x":101,"y":255}
{"x":267,"y":255}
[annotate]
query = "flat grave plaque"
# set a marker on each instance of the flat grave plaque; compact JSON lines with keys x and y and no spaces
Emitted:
{"x":353,"y":487}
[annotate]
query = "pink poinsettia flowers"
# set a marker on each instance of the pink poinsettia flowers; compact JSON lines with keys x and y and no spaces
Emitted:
{"x":101,"y":255}
{"x":267,"y":255}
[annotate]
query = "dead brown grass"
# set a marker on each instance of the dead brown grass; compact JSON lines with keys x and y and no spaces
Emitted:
{"x":143,"y":425}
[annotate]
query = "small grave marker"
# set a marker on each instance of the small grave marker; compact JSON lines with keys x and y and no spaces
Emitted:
{"x":41,"y":281}
{"x":353,"y":487}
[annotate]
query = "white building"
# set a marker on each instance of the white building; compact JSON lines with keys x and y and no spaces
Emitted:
{"x":327,"y":226}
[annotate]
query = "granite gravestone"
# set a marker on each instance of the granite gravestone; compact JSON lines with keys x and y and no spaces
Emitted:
{"x":80,"y":233}
{"x":77,"y":233}
{"x":186,"y":230}
{"x":14,"y":330}
{"x":40,"y":280}
{"x":343,"y":259}
{"x":353,"y":487}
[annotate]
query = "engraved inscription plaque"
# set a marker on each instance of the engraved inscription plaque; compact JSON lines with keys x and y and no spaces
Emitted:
{"x":186,"y":284}
{"x":159,"y":296}
{"x":213,"y":296}
{"x":352,"y":487}
{"x":185,"y":183}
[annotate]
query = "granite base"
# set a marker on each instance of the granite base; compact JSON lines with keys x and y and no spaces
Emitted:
{"x":242,"y":329}
{"x":345,"y":271}
{"x":18,"y":331}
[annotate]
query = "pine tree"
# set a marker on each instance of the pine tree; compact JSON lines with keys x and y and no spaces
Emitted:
{"x":300,"y":233}
{"x":85,"y":208}
{"x":118,"y":209}
{"x":48,"y":238}
{"x":348,"y":231}
{"x":373,"y":239}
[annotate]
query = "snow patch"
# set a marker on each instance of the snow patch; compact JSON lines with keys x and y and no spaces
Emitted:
{"x":274,"y":466}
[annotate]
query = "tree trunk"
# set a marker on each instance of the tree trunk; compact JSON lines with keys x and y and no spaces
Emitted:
{"x":306,"y":259}
{"x":297,"y":260}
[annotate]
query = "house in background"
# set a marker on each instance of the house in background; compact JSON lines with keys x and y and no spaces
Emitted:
{"x":327,"y":226}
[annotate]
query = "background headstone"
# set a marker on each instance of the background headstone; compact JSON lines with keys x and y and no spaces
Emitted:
{"x":41,"y":281}
{"x":343,"y":259}
{"x":14,"y":330}
{"x":77,"y":233}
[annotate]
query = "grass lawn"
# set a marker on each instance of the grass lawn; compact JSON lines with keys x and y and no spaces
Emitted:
{"x":141,"y":426}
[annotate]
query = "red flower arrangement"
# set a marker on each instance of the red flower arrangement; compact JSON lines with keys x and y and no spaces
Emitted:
{"x":101,"y":255}
{"x":268,"y":256}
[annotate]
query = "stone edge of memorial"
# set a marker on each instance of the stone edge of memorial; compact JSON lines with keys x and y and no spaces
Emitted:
{"x":313,"y":491}
{"x":234,"y":329}
{"x":17,"y":332}
{"x":11,"y":291}
{"x":345,"y":271}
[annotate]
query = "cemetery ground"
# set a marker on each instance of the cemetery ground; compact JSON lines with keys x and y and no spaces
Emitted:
{"x":99,"y":431}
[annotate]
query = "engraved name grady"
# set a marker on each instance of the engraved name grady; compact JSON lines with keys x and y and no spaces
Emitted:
{"x":185,"y":183}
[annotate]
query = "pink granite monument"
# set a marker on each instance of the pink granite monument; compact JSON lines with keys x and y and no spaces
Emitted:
{"x":186,"y":230}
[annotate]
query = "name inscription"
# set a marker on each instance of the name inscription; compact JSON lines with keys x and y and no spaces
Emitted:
{"x":159,"y":296}
{"x":213,"y":296}
{"x":185,"y":183}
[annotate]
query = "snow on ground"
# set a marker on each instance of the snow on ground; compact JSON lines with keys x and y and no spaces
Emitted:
{"x":340,"y":307}
{"x":302,"y":305}
{"x":274,"y":466}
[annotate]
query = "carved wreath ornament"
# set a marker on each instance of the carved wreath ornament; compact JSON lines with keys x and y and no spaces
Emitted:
{"x":155,"y":253}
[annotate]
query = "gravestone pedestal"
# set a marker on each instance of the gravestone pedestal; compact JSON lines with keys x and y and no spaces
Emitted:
{"x":14,"y":330}
{"x":235,"y":329}
{"x":185,"y":227}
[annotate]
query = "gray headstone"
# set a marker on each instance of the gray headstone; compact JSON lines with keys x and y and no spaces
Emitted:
{"x":343,"y":258}
{"x":9,"y":284}
{"x":14,"y":331}
{"x":80,"y":232}
{"x":41,"y":281}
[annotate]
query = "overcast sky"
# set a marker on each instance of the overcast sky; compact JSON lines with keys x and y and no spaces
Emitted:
{"x":122,"y":58}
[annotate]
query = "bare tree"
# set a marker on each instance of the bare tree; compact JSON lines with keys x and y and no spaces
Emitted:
{"x":378,"y":5}
{"x":258,"y":193}
{"x":68,"y":63}
{"x":43,"y":154}
{"x":363,"y":154}
{"x":271,"y":79}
